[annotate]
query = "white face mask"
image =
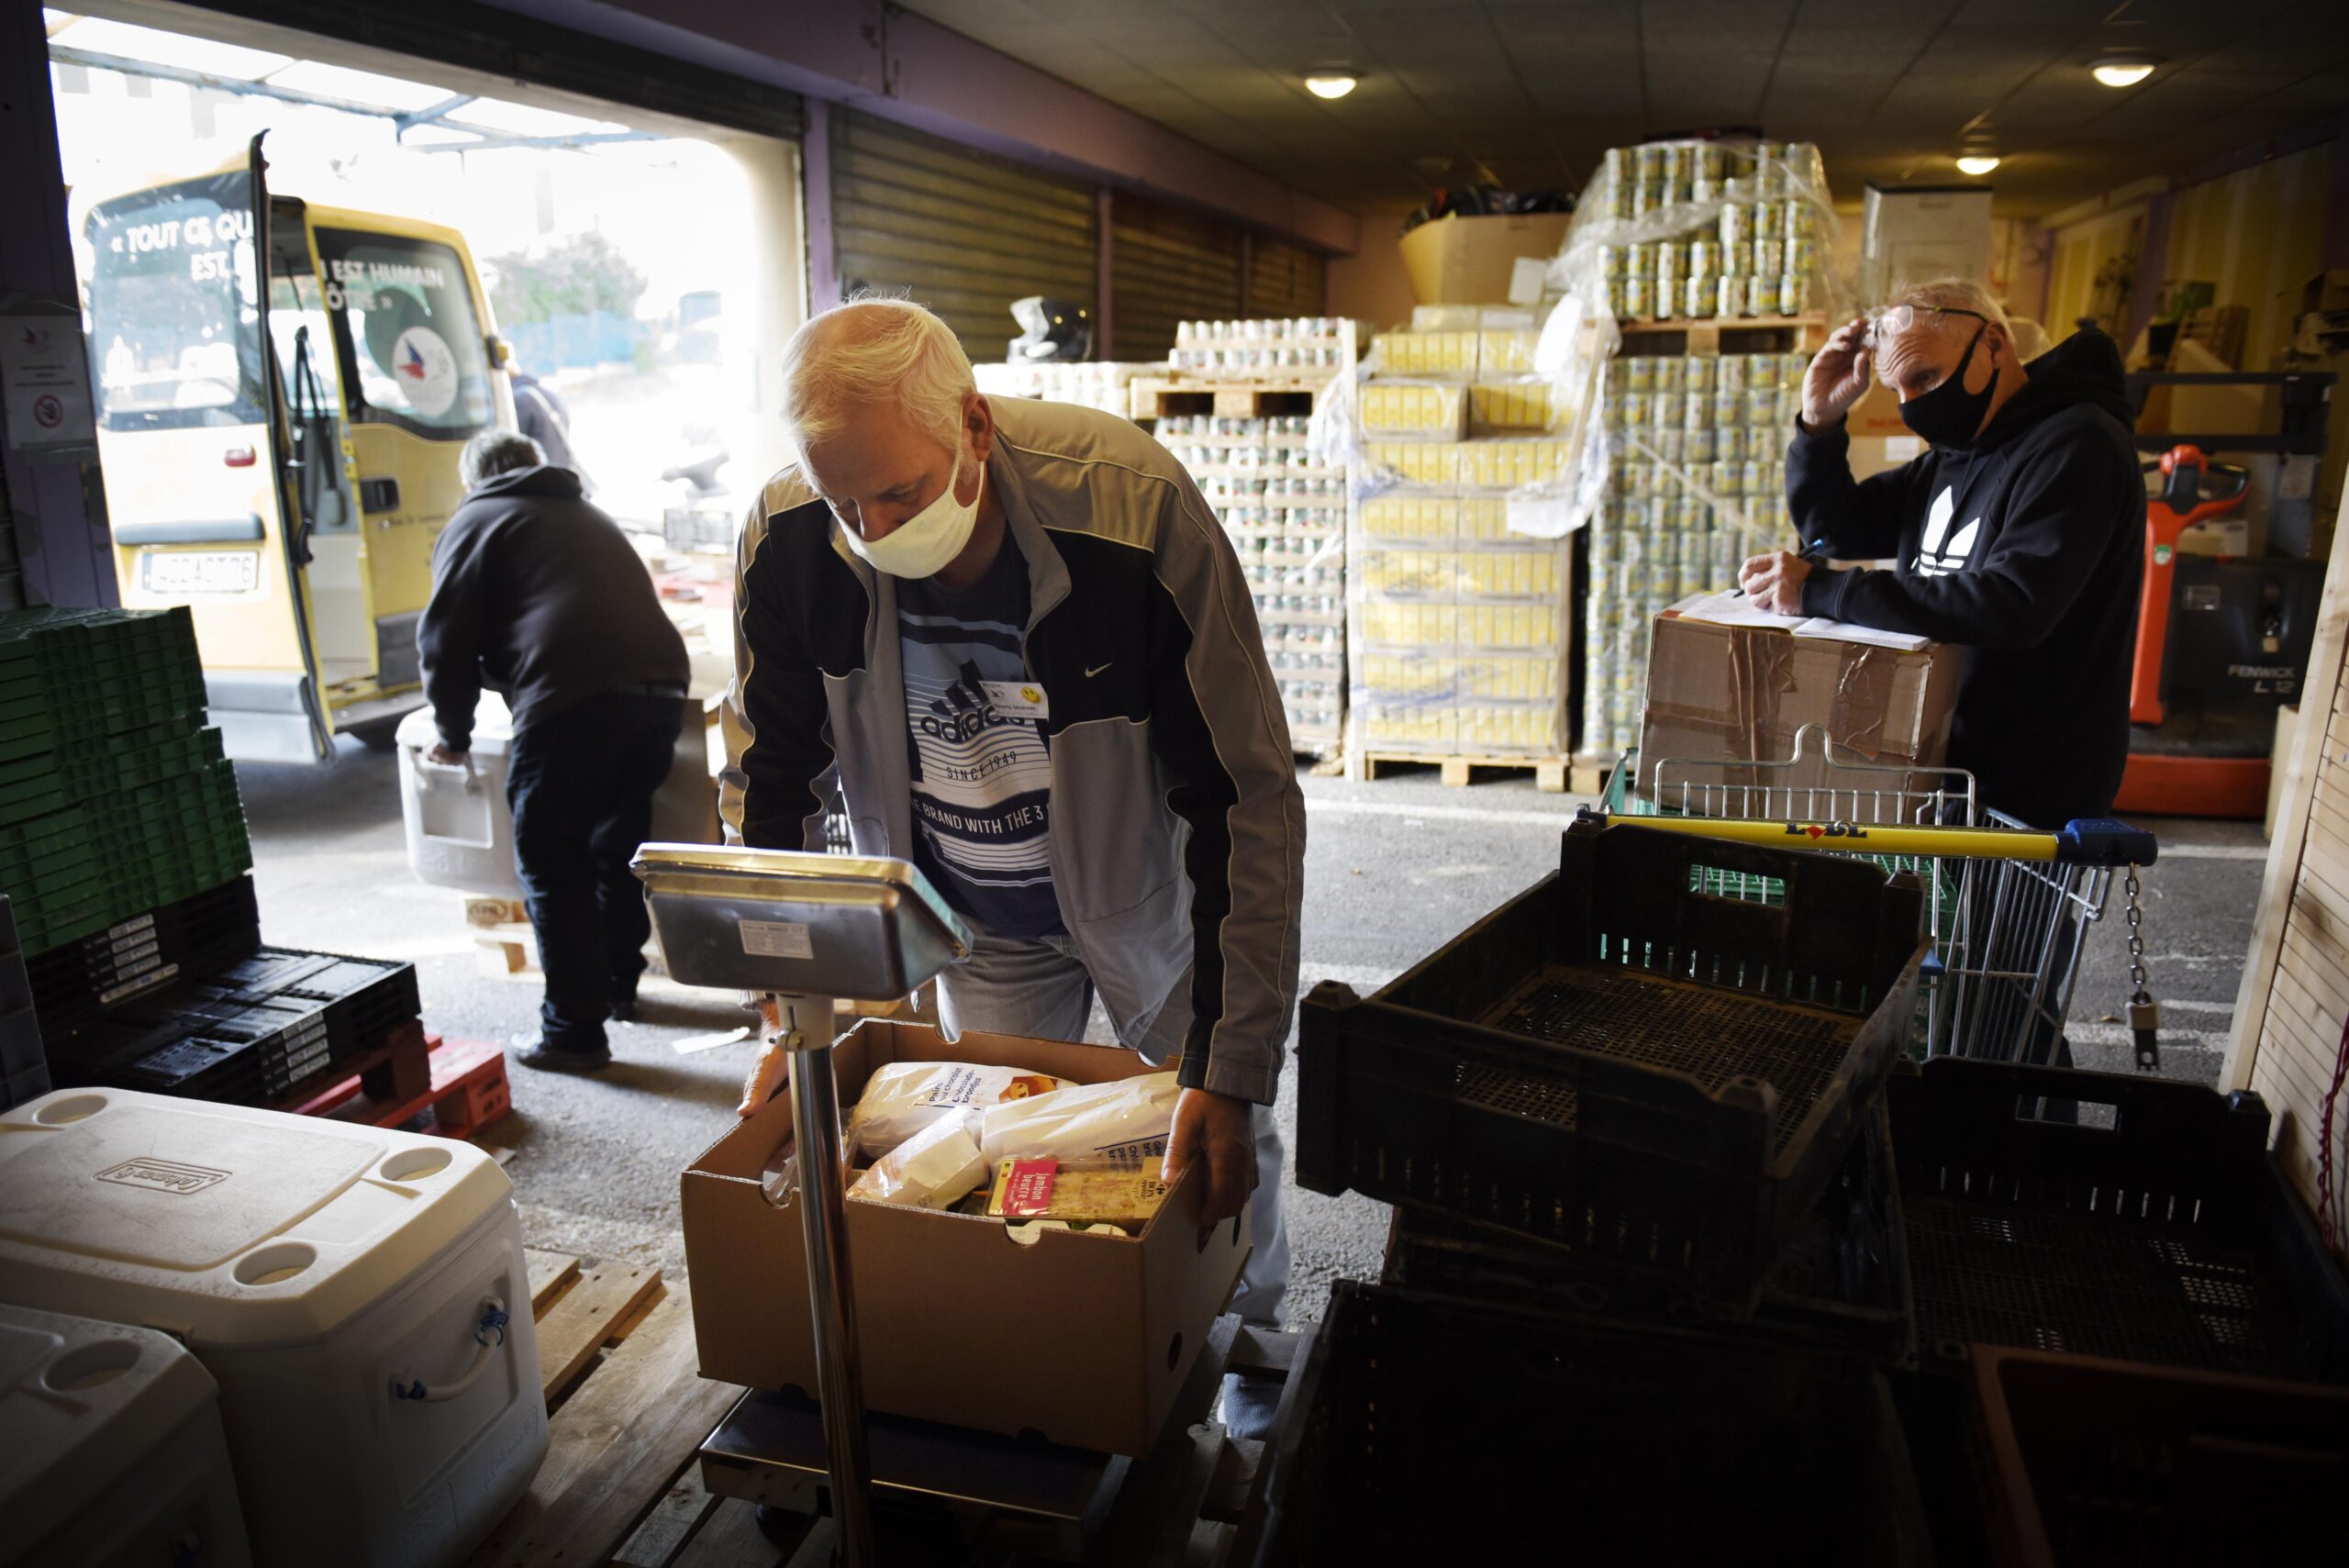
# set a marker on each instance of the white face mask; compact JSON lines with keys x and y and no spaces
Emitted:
{"x":925,"y":542}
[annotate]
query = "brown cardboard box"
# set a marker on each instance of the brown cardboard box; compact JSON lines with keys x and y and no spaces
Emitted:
{"x":1740,"y":693}
{"x":1468,"y":261}
{"x":1084,"y":1338}
{"x":2327,"y":290}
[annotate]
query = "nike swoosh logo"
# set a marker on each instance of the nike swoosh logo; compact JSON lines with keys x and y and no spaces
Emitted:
{"x":1098,"y":669}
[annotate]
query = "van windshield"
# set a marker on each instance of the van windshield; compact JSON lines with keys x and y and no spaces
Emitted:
{"x":405,"y":320}
{"x":174,"y":327}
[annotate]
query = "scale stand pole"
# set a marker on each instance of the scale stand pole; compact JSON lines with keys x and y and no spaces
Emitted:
{"x":832,"y":1295}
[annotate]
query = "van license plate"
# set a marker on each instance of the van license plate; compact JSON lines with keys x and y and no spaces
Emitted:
{"x":201,"y":570}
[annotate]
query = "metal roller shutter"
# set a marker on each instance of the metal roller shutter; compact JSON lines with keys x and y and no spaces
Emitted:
{"x":1166,"y":266}
{"x":1285,"y":279}
{"x":962,"y":232}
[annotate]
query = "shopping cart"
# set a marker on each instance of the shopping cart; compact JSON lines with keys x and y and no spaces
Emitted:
{"x":2008,"y":908}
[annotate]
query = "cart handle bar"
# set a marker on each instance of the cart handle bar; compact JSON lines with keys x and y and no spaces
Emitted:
{"x":2097,"y":842}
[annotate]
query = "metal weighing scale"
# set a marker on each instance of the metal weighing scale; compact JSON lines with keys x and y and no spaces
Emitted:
{"x":806,"y":930}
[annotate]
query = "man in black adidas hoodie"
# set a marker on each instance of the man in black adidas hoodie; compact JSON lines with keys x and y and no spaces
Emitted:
{"x":2020,"y":537}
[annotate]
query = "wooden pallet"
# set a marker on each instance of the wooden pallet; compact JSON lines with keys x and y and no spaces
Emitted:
{"x":1704,"y":333}
{"x":1154,"y":397}
{"x":1549,"y":772}
{"x":462,"y":1082}
{"x":1588,"y":770}
{"x":628,"y":1413}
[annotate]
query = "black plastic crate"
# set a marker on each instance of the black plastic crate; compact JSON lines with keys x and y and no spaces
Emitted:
{"x":2155,"y":1228}
{"x":2086,"y":1462}
{"x":74,"y":985}
{"x":1454,"y":1432}
{"x":248,"y":1030}
{"x":1620,"y":1064}
{"x":1843,"y":1281}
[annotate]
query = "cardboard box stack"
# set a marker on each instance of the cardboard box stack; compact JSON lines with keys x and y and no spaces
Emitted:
{"x":1696,"y":482}
{"x":1285,"y":512}
{"x":1458,"y":624}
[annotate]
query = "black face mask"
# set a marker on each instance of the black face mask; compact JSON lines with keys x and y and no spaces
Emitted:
{"x":1949,"y":416}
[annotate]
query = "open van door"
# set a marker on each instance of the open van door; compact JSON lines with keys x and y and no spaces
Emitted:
{"x":193,"y":442}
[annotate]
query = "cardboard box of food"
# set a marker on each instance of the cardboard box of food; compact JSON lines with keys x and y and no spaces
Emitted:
{"x":1469,"y":260}
{"x":1084,"y":1337}
{"x":1722,"y":697}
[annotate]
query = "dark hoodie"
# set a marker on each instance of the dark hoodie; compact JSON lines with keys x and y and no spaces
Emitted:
{"x":539,"y":596}
{"x":2026,"y":550}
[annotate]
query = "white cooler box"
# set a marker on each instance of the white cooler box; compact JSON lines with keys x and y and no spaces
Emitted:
{"x":114,"y":1456}
{"x":334,"y":1279}
{"x":460,"y":833}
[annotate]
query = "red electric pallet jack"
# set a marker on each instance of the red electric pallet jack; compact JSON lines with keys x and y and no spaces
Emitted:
{"x":2222,"y":643}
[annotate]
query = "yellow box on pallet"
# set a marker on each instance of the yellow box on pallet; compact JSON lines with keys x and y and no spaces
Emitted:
{"x":1406,"y":625}
{"x":1416,"y":462}
{"x":1425,"y":518}
{"x":1484,"y":519}
{"x":1505,"y":351}
{"x":1505,"y":464}
{"x":1406,"y":677}
{"x":1506,"y":726}
{"x":1386,"y":574}
{"x":1507,"y":677}
{"x":1508,"y":573}
{"x":1451,"y":354}
{"x":1507,"y":626}
{"x":1500,"y":408}
{"x":1405,"y":409}
{"x":1430,"y":728}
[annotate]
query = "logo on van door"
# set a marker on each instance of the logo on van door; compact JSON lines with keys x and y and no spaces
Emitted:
{"x":163,"y":1176}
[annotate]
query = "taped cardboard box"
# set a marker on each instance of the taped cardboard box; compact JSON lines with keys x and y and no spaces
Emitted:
{"x":1083,"y":1337}
{"x":1721,"y":698}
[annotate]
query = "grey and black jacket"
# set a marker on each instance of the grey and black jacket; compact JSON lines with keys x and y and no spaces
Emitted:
{"x":1177,"y":826}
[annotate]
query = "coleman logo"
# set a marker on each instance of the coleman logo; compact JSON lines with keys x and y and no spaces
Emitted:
{"x":1818,"y":831}
{"x":162,"y":1176}
{"x":1933,"y":557}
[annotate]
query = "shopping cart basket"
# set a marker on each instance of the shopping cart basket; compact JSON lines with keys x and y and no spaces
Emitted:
{"x":2008,"y":909}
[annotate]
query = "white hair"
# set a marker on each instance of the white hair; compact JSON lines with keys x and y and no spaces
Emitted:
{"x":897,"y":352}
{"x":494,"y":452}
{"x":1953,"y":294}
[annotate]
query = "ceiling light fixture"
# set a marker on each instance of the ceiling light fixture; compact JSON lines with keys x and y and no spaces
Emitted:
{"x":1976,"y":163}
{"x":1331,"y":84}
{"x":2124,"y":70}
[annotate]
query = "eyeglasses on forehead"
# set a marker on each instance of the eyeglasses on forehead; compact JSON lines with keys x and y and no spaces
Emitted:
{"x":1894,"y":319}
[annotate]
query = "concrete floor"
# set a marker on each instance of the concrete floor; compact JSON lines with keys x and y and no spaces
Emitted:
{"x":1394,"y":870}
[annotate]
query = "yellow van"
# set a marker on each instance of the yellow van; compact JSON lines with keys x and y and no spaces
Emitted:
{"x":284,"y":472}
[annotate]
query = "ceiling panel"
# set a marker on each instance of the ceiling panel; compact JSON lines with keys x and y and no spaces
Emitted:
{"x":1535,"y":90}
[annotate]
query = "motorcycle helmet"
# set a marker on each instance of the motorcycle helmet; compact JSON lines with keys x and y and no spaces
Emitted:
{"x":1052,"y":331}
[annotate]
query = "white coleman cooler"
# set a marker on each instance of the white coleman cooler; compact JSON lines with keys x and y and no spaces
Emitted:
{"x":114,"y":1456}
{"x":359,"y":1295}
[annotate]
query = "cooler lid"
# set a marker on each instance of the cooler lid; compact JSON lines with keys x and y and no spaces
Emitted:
{"x":225,"y":1224}
{"x":84,"y":1403}
{"x":155,"y":1185}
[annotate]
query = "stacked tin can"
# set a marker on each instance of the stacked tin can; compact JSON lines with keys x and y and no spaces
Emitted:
{"x":1284,"y":512}
{"x":1262,"y":349}
{"x":1695,"y":442}
{"x":1760,"y":257}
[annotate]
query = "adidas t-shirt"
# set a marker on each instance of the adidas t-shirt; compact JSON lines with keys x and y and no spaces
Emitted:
{"x":982,"y":779}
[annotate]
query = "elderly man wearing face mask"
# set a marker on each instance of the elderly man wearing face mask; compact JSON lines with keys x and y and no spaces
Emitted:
{"x":1020,"y":641}
{"x":2019,"y":536}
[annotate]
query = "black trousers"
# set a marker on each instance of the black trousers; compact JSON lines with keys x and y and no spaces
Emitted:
{"x":581,"y":783}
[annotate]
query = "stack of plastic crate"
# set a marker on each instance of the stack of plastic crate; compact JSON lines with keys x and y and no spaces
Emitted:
{"x":113,"y":797}
{"x":1285,"y":513}
{"x":1458,"y":624}
{"x":23,"y":1070}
